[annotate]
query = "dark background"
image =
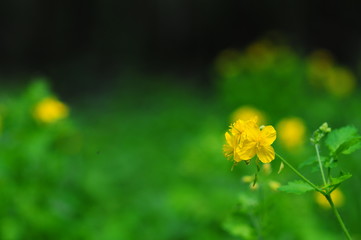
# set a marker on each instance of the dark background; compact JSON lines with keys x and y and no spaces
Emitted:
{"x":99,"y":39}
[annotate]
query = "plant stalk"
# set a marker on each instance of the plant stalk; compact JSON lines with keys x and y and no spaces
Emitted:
{"x":327,"y":195}
{"x":299,"y":174}
{"x":338,"y":216}
{"x":319,"y":162}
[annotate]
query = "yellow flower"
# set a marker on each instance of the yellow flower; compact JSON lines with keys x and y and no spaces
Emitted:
{"x":337,"y":197}
{"x":235,"y":138}
{"x":50,"y":110}
{"x":291,"y":132}
{"x":258,"y":142}
{"x":230,"y":147}
{"x":247,"y":112}
{"x":245,"y":140}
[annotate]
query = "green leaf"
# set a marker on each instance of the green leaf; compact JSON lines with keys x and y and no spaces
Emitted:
{"x":331,"y":163}
{"x":239,"y":227}
{"x":341,"y":178}
{"x":344,"y":140}
{"x":297,"y":187}
{"x":281,"y":168}
{"x":309,"y":162}
{"x":312,"y":161}
{"x":350,"y":146}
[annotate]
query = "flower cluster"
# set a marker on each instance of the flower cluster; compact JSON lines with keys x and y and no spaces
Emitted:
{"x":324,"y":73}
{"x":245,"y":139}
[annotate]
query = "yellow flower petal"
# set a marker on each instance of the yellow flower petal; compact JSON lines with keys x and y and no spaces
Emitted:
{"x":236,"y":157}
{"x":268,"y":135}
{"x":238,"y":127}
{"x":228,"y":151}
{"x":247,"y":151}
{"x":228,"y":138}
{"x":266,"y":153}
{"x":229,"y":147}
{"x":252,"y":133}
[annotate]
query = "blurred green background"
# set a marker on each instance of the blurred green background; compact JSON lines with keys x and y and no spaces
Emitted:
{"x":112,"y":117}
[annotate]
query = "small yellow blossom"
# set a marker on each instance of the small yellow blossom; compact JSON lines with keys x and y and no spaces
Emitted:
{"x":245,"y":140}
{"x":50,"y":110}
{"x":274,"y":185}
{"x":230,"y":147}
{"x":267,"y":168}
{"x":337,"y":197}
{"x":247,"y":179}
{"x":258,"y":142}
{"x":253,"y":186}
{"x":235,"y":138}
{"x":291,"y":132}
{"x":247,"y":112}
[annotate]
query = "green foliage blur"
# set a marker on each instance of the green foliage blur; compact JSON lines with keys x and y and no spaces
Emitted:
{"x":145,"y":161}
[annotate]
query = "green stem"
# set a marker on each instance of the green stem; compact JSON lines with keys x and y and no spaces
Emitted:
{"x":327,"y":195}
{"x":329,"y":170}
{"x":338,"y":216}
{"x":319,"y":162}
{"x":299,"y":174}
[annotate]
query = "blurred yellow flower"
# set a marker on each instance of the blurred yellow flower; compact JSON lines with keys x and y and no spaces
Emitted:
{"x":50,"y":110}
{"x":247,"y":179}
{"x":337,"y":197}
{"x":229,"y":62}
{"x":291,"y":132}
{"x":320,"y":64}
{"x":274,"y":185}
{"x":341,"y":82}
{"x":267,"y":168}
{"x":260,"y":54}
{"x":247,"y":112}
{"x":253,"y":186}
{"x":324,"y":73}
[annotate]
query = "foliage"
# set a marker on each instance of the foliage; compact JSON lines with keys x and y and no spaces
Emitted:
{"x":297,"y":187}
{"x":143,"y":160}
